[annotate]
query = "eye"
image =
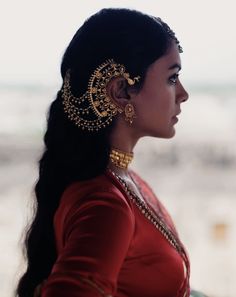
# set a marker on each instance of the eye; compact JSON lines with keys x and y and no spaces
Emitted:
{"x":173,"y":79}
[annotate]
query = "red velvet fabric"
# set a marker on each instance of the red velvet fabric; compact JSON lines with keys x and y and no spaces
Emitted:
{"x":107,"y":247}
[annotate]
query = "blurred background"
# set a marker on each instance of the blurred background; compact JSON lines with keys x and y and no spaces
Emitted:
{"x":193,"y":174}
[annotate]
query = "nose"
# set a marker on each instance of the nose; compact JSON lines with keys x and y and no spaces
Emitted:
{"x":182,"y":94}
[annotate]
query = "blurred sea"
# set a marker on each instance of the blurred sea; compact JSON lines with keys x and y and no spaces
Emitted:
{"x":193,"y":174}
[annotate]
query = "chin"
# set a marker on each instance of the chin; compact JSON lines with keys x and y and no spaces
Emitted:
{"x":165,"y":134}
{"x":171,"y":135}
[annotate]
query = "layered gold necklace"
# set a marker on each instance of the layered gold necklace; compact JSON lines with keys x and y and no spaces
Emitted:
{"x":120,"y":158}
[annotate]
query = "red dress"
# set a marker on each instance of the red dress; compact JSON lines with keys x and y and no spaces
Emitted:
{"x":108,"y":245}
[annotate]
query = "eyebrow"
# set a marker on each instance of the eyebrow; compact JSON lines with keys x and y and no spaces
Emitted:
{"x":176,"y":65}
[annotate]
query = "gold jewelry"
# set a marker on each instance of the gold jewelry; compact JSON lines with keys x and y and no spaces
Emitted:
{"x":94,"y":109}
{"x":129,"y":113}
{"x":121,"y":159}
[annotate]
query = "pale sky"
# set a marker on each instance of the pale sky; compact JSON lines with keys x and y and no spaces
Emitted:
{"x":34,"y":35}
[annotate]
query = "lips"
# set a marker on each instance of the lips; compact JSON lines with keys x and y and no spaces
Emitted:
{"x":179,"y":112}
{"x":175,"y":119}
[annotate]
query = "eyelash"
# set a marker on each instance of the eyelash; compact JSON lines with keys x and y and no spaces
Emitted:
{"x":173,"y":79}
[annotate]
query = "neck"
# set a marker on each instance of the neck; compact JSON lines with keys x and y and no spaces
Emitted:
{"x":120,"y":171}
{"x":123,"y":138}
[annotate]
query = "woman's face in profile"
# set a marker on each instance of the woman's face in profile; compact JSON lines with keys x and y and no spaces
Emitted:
{"x":158,"y":103}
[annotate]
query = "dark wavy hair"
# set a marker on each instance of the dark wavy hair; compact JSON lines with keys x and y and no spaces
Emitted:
{"x":131,"y":38}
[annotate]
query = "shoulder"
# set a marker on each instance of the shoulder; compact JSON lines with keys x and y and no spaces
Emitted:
{"x":79,"y":190}
{"x":101,"y":191}
{"x":96,"y":203}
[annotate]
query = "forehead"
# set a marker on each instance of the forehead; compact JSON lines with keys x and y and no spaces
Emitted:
{"x":168,"y":61}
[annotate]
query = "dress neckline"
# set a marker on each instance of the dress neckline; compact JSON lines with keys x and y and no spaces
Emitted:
{"x":148,"y":212}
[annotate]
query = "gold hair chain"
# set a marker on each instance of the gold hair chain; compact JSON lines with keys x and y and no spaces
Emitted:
{"x":95,"y":109}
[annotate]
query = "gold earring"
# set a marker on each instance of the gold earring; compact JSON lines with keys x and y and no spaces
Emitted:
{"x":129,"y":113}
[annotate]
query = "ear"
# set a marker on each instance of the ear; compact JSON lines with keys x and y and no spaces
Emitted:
{"x":119,"y":91}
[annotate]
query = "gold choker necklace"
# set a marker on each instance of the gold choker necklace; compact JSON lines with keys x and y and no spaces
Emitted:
{"x":120,"y":159}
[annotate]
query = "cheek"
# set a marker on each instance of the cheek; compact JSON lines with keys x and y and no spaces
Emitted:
{"x":148,"y":106}
{"x":155,"y":104}
{"x":166,"y":100}
{"x":161,"y":105}
{"x":165,"y":106}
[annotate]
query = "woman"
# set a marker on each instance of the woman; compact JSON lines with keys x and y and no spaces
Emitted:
{"x":98,"y":228}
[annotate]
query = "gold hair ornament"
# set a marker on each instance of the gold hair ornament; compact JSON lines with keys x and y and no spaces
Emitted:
{"x":94,"y":109}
